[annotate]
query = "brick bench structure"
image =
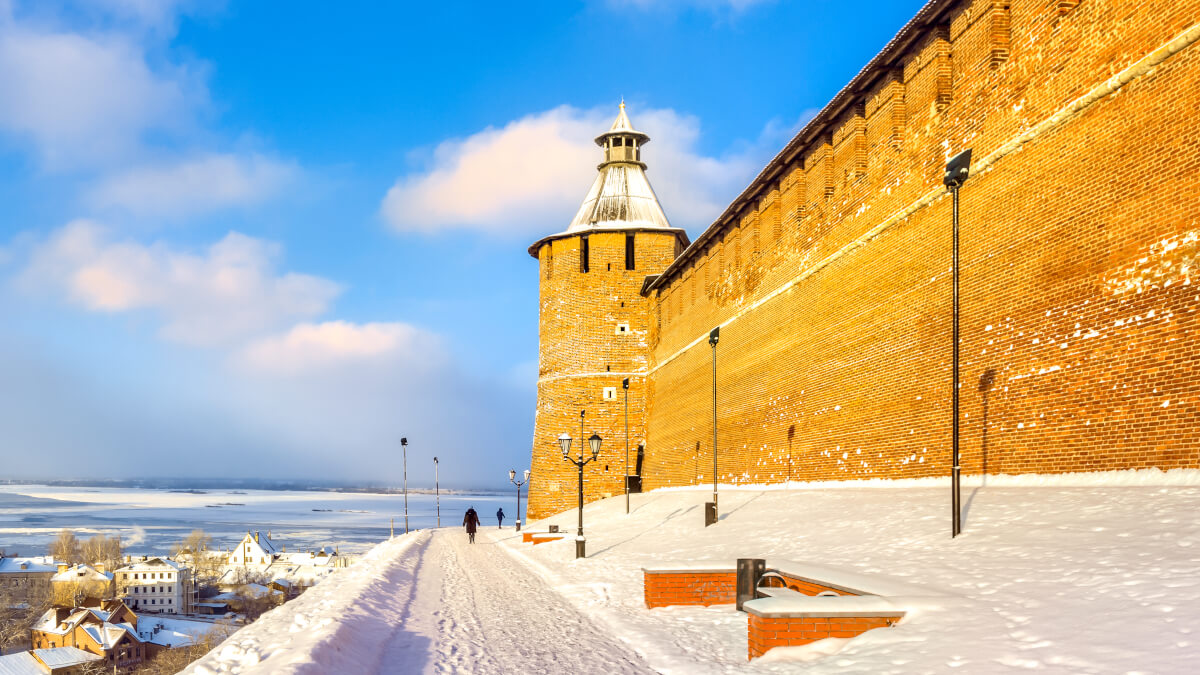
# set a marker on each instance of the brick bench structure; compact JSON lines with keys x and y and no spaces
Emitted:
{"x":802,"y":602}
{"x":796,"y":603}
{"x":701,"y":584}
{"x":542,"y":537}
{"x":793,"y":621}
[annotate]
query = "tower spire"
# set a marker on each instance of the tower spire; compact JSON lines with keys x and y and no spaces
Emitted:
{"x":621,"y":197}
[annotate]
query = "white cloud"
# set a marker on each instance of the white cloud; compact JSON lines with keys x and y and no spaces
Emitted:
{"x":311,"y":346}
{"x":197,"y":185}
{"x":158,"y":15}
{"x":229,"y":291}
{"x":529,"y":177}
{"x":86,"y":100}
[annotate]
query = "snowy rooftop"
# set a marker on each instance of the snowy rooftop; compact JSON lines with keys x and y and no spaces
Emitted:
{"x":82,"y":573}
{"x":27,"y":565}
{"x":107,"y":635}
{"x":21,"y":663}
{"x":155,"y":564}
{"x":62,"y":657}
{"x":171,"y":632}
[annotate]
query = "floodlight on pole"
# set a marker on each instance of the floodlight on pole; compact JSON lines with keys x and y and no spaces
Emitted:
{"x":958,"y":169}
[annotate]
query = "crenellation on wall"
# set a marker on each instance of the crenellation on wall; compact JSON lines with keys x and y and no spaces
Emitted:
{"x":884,"y":110}
{"x":849,"y":148}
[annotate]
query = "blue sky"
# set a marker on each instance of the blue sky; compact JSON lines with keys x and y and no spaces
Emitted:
{"x":243,"y":241}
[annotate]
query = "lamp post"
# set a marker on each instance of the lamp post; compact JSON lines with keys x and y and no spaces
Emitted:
{"x":710,"y":511}
{"x":404,"y":449}
{"x":564,"y":441}
{"x":512,"y":478}
{"x":625,"y":386}
{"x":437,"y":493}
{"x":957,"y":172}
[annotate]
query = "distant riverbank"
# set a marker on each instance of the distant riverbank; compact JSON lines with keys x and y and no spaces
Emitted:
{"x":202,"y":485}
{"x":150,"y":521}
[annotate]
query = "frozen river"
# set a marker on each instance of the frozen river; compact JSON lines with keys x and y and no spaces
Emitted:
{"x":150,"y":521}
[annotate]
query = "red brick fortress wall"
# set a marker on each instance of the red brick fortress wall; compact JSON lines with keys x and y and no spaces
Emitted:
{"x":1080,"y":241}
{"x":581,"y":353}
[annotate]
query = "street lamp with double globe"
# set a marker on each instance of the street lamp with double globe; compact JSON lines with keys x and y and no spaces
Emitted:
{"x":512,"y":478}
{"x":564,"y":441}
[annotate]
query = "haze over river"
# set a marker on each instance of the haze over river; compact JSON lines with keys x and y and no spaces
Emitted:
{"x":149,"y":521}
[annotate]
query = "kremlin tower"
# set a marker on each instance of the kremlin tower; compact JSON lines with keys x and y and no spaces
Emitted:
{"x":594,"y":325}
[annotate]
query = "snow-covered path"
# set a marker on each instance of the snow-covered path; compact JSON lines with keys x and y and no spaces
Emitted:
{"x":475,"y":609}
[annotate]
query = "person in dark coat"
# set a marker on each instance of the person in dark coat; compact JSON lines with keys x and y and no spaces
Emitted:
{"x":471,"y":522}
{"x":499,"y":518}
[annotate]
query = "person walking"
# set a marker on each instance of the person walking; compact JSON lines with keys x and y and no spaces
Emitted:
{"x":471,"y":522}
{"x":500,"y":518}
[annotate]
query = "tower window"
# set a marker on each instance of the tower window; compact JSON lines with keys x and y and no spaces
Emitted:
{"x":629,"y":251}
{"x":583,"y":254}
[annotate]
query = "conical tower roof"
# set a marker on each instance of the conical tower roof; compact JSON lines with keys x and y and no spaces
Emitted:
{"x":622,"y":125}
{"x":621,"y":197}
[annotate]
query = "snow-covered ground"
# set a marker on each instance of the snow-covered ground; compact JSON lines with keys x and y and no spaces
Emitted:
{"x":1078,"y":574}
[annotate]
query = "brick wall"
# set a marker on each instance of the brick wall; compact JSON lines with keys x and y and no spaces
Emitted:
{"x":581,"y":354}
{"x":689,"y":587}
{"x":764,"y":633}
{"x":1079,"y":245}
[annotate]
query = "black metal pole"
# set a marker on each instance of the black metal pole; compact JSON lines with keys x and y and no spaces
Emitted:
{"x":404,"y":447}
{"x":579,"y":534}
{"x":714,"y":388}
{"x":580,"y":544}
{"x":626,"y":384}
{"x":955,"y":497}
{"x":437,"y":492}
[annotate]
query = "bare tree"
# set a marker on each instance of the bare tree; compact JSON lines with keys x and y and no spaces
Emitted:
{"x":65,"y":547}
{"x":252,"y":602}
{"x":101,"y":549}
{"x":197,"y":541}
{"x":195,"y":549}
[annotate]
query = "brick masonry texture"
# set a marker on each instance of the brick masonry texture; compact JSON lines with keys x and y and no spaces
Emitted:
{"x":581,"y":354}
{"x":663,"y":589}
{"x":1080,"y":240}
{"x":764,"y":633}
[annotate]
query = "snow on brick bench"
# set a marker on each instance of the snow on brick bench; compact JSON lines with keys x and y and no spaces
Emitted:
{"x":690,"y":584}
{"x":814,"y":579}
{"x":802,"y":602}
{"x":534,"y":537}
{"x":801,"y":619}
